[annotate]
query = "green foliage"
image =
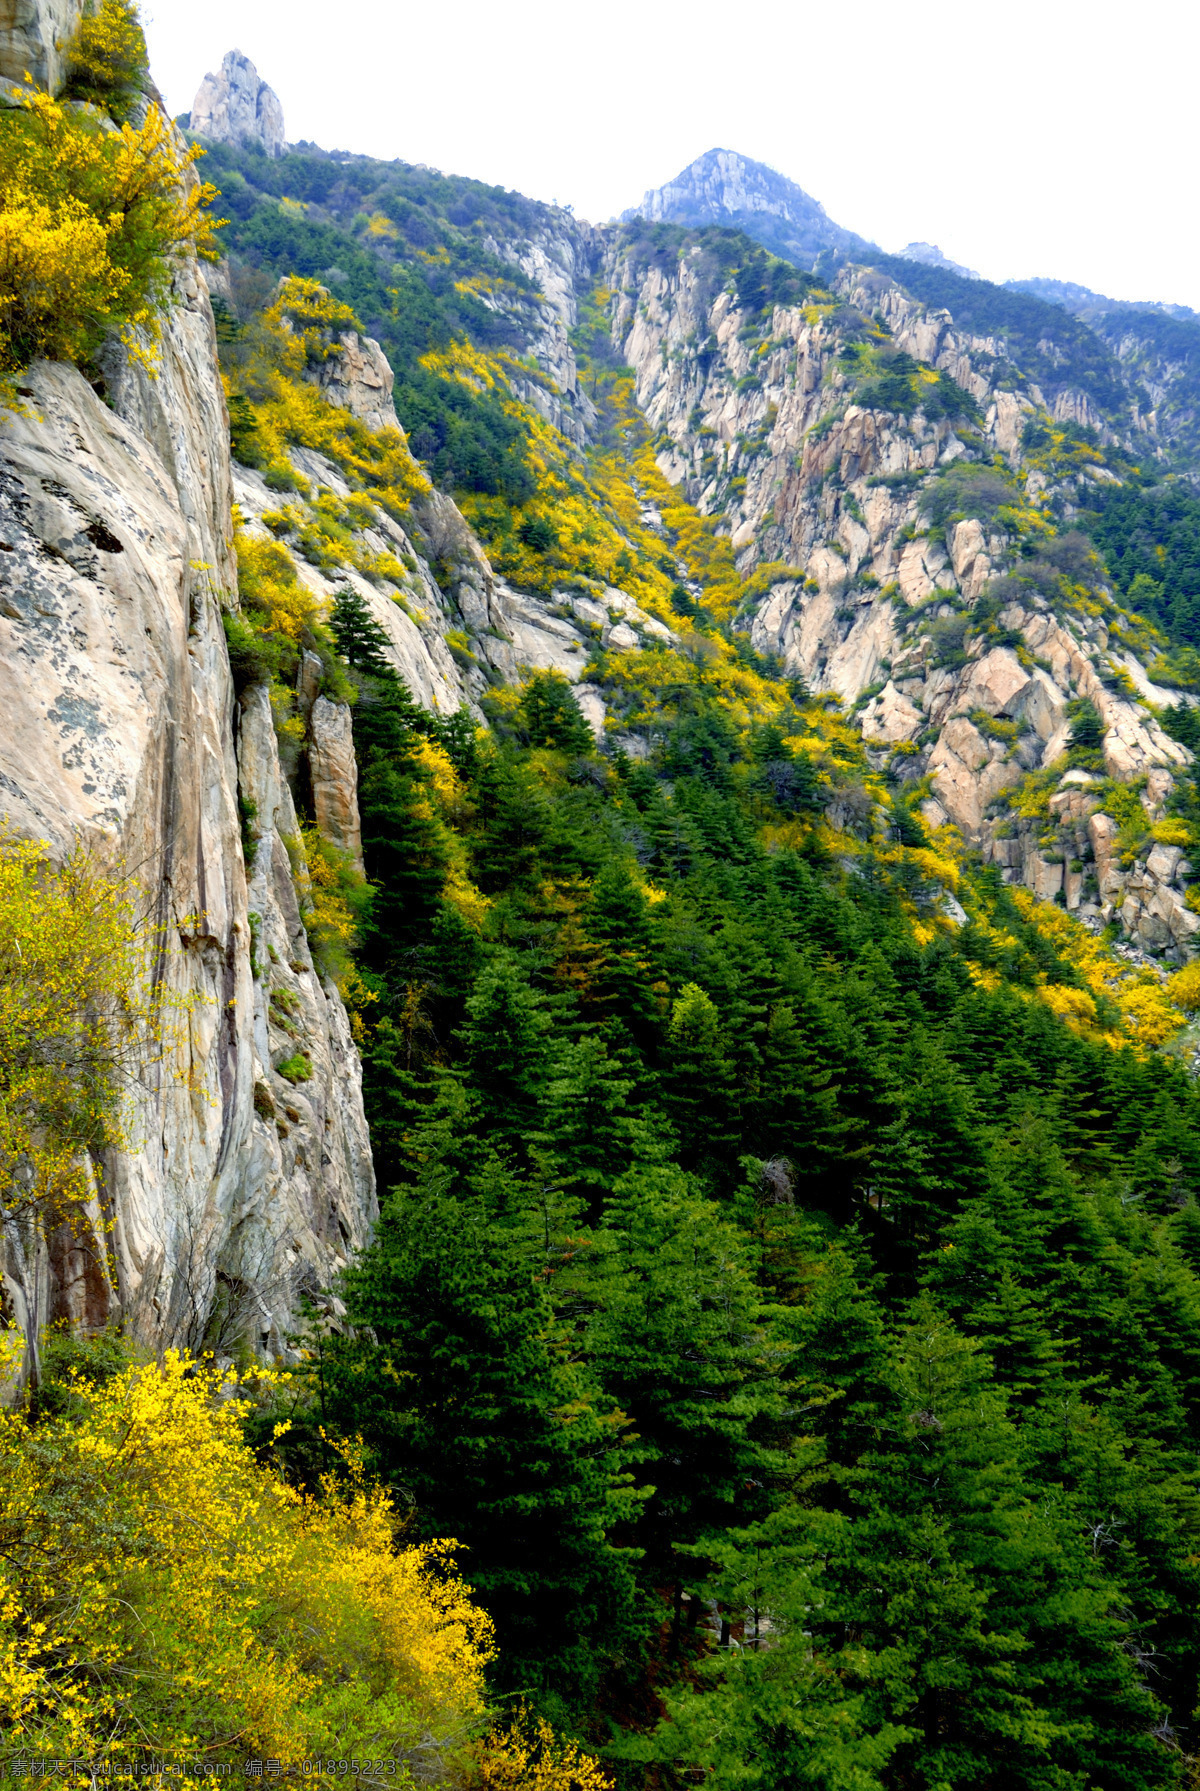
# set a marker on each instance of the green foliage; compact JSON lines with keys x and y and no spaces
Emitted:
{"x":1150,"y":539}
{"x":904,"y":385}
{"x":1087,"y":727}
{"x":538,"y":533}
{"x":552,"y":716}
{"x":254,"y":657}
{"x":243,"y":431}
{"x":967,"y":490}
{"x":296,"y":1068}
{"x":410,"y":245}
{"x":786,"y":1295}
{"x":1182,"y":722}
{"x":679,"y":1123}
{"x":361,"y":642}
{"x":470,"y":1408}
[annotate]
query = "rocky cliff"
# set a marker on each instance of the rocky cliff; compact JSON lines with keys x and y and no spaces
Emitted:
{"x":929,"y":255}
{"x":243,"y":1186}
{"x":123,"y":729}
{"x":31,"y":35}
{"x":236,"y":106}
{"x":827,"y":434}
{"x":249,"y":1184}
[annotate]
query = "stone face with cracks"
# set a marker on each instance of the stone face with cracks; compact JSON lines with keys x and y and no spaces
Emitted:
{"x":334,"y":775}
{"x":121,"y":727}
{"x":32,"y":33}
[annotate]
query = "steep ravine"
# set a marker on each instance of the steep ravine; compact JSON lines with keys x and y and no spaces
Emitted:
{"x":243,"y":1188}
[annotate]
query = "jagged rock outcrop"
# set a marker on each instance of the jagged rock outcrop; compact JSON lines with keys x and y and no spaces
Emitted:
{"x":757,"y":416}
{"x":359,"y":379}
{"x":560,"y":256}
{"x":333,"y":773}
{"x":242,"y":1186}
{"x":236,"y":106}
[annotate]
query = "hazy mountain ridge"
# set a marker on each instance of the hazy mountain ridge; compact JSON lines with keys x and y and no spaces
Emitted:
{"x":725,"y":188}
{"x":722,"y":187}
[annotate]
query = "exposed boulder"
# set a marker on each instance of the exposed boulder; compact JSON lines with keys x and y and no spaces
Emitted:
{"x":359,"y":379}
{"x":969,"y":772}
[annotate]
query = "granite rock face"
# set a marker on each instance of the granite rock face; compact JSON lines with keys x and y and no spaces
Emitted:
{"x":929,"y":255}
{"x":959,"y":655}
{"x":235,"y":106}
{"x":359,"y":379}
{"x":241,"y":1186}
{"x":31,"y":33}
{"x":334,"y":776}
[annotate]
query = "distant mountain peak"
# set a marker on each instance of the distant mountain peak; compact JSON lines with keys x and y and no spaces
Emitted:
{"x":929,"y":255}
{"x":236,"y":106}
{"x":723,"y":187}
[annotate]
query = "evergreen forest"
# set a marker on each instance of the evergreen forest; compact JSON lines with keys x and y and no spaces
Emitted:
{"x":795,"y":1323}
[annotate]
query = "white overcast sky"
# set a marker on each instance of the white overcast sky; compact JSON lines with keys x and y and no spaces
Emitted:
{"x":1035,"y":137}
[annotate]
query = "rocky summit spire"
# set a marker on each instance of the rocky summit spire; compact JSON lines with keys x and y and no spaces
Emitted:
{"x":236,"y":107}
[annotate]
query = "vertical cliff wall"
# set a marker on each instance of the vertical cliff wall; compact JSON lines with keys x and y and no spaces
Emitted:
{"x":31,"y":32}
{"x":122,"y":728}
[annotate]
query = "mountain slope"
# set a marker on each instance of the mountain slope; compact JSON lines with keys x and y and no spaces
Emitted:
{"x":803,"y":422}
{"x":684,"y":725}
{"x":722,"y":187}
{"x":1127,"y":361}
{"x":661,"y":1029}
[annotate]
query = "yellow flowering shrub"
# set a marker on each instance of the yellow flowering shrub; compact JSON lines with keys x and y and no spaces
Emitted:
{"x":1149,"y":1013}
{"x":268,"y":371}
{"x":1184,"y":987}
{"x":161,"y":1593}
{"x":1174,"y":831}
{"x":79,"y":1021}
{"x":105,"y":59}
{"x":333,"y":894}
{"x":268,"y":582}
{"x":90,"y":220}
{"x":529,"y":1756}
{"x":444,"y":800}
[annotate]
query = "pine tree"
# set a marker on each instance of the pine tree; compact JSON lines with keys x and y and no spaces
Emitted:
{"x":361,"y":642}
{"x":453,"y":1380}
{"x":503,"y":1041}
{"x":552,"y":716}
{"x":698,"y":1083}
{"x":683,"y":1341}
{"x":590,"y":1132}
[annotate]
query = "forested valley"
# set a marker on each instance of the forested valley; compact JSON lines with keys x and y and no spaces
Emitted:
{"x":775,"y":1357}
